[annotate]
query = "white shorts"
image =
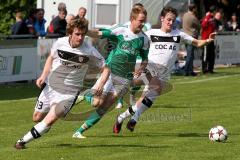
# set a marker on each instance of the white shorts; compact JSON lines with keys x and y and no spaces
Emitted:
{"x":117,"y":85}
{"x":49,"y":97}
{"x":107,"y":87}
{"x":158,"y":70}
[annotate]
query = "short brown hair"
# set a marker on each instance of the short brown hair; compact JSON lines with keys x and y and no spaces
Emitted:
{"x":61,"y":5}
{"x":82,"y":8}
{"x":80,"y":23}
{"x":191,"y":7}
{"x":136,"y":5}
{"x":168,"y":9}
{"x":136,"y":11}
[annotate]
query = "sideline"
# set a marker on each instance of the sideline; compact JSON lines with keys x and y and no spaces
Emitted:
{"x":16,"y":100}
{"x":208,"y":79}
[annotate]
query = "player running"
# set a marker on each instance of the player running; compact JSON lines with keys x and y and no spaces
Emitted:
{"x":70,"y":60}
{"x":164,"y":46}
{"x":131,"y":42}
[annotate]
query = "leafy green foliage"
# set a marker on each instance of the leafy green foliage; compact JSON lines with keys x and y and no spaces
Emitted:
{"x":7,"y":12}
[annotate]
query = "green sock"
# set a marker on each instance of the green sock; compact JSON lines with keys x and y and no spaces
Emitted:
{"x":93,"y":119}
{"x":82,"y":129}
{"x":89,"y":97}
{"x":120,"y":100}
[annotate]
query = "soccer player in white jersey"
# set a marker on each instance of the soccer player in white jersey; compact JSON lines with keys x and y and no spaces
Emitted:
{"x":131,"y":42}
{"x":70,"y":60}
{"x":163,"y":51}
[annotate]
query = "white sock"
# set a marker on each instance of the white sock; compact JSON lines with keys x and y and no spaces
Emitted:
{"x":36,"y":132}
{"x":126,"y":114}
{"x":149,"y":98}
{"x":132,"y":100}
{"x":142,"y":108}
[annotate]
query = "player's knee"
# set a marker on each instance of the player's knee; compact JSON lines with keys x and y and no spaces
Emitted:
{"x":156,"y":85}
{"x":37,"y":117}
{"x":97,"y":102}
{"x":155,"y":88}
{"x":158,"y":89}
{"x":114,"y":97}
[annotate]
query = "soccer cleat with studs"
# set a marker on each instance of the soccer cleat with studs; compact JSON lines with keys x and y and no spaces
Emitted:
{"x":20,"y":144}
{"x":117,"y":127}
{"x":131,"y":124}
{"x":78,"y":135}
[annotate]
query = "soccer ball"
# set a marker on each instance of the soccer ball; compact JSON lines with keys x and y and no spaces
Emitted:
{"x":218,"y":134}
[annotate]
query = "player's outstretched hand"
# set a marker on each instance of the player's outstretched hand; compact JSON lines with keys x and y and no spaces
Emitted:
{"x":212,"y":36}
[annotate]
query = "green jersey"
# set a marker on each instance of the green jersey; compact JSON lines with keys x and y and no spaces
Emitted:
{"x":129,"y":45}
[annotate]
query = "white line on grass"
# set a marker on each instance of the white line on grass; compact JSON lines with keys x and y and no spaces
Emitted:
{"x":16,"y":100}
{"x":208,"y":79}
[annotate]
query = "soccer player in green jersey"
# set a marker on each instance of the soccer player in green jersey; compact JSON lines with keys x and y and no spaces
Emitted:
{"x":131,"y":42}
{"x":164,"y":46}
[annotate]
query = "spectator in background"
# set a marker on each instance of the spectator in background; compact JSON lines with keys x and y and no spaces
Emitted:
{"x":19,"y":27}
{"x":233,"y":24}
{"x":61,"y":6}
{"x":39,"y":24}
{"x":191,"y":26}
{"x":59,"y":23}
{"x":69,"y":18}
{"x":218,"y":21}
{"x":238,"y":12}
{"x":178,"y":22}
{"x":81,"y":12}
{"x":30,"y":20}
{"x":208,"y":55}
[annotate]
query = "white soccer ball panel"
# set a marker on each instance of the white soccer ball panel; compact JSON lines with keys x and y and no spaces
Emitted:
{"x":222,"y":138}
{"x":220,"y":127}
{"x":218,"y":133}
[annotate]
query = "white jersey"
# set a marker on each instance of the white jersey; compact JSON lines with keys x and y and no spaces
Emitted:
{"x":71,"y":65}
{"x":165,"y":46}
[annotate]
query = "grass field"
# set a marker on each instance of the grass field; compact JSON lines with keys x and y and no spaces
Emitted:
{"x":175,"y":128}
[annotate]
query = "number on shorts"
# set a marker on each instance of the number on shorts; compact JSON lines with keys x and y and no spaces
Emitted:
{"x":39,"y":104}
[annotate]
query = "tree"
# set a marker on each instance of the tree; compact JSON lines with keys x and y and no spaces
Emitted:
{"x":7,"y":12}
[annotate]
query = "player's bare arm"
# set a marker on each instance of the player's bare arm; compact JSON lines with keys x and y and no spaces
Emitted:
{"x":200,"y":43}
{"x":103,"y":79}
{"x":139,"y":71}
{"x":45,"y":72}
{"x":94,"y":33}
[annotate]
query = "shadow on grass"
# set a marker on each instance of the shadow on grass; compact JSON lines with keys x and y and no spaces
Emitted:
{"x":170,"y":106}
{"x":147,"y":134}
{"x":112,"y":146}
